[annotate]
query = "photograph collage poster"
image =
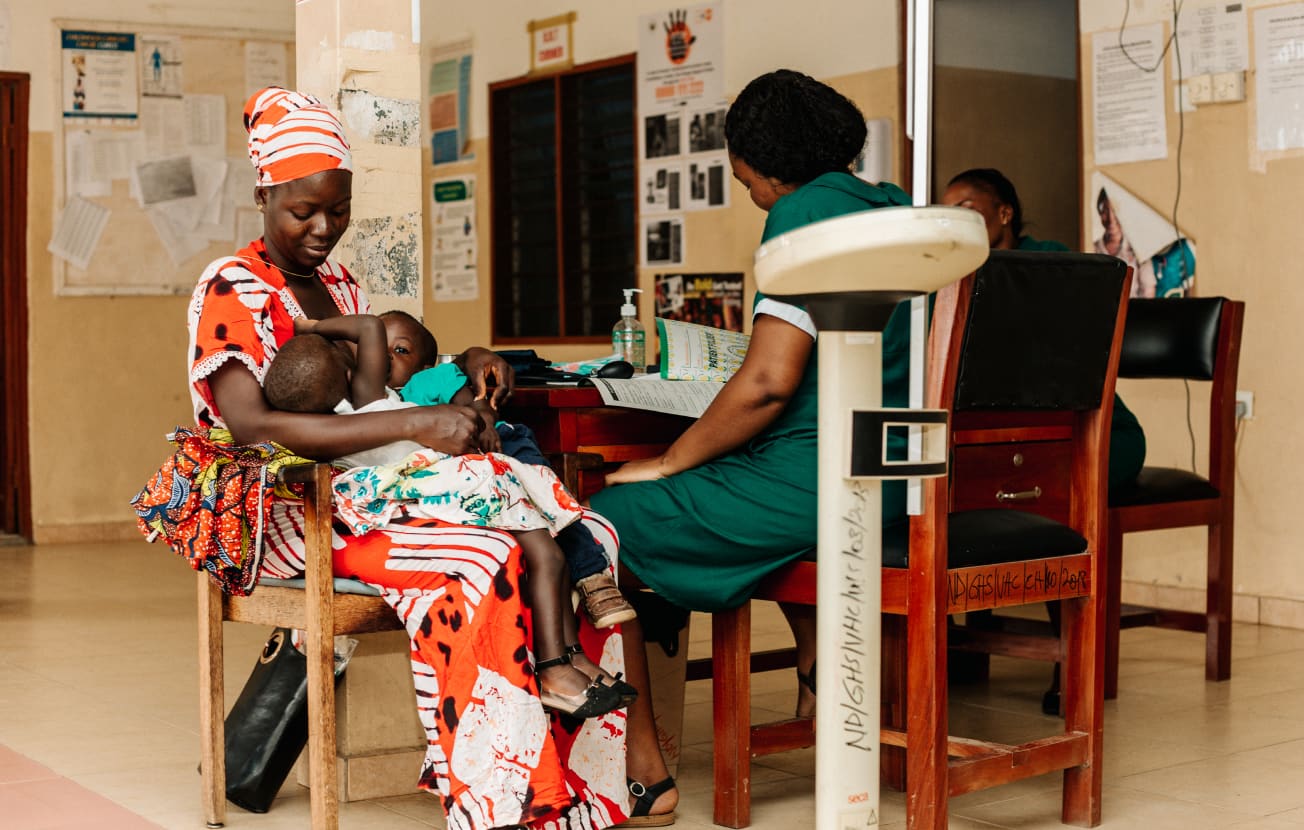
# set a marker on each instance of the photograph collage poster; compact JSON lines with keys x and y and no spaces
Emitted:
{"x":681,"y":105}
{"x":714,"y":300}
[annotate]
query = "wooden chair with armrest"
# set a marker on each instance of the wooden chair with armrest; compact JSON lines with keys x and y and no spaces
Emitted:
{"x":1193,"y":339}
{"x":1014,"y":367}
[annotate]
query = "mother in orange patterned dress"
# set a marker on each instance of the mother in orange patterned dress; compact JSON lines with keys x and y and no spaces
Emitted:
{"x":494,"y":757}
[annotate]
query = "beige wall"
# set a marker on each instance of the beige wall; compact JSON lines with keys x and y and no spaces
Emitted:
{"x":1244,"y":220}
{"x":107,"y":375}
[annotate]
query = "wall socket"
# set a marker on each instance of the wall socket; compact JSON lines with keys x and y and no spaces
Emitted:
{"x":1229,"y":86}
{"x":1199,"y":89}
{"x":1244,"y":405}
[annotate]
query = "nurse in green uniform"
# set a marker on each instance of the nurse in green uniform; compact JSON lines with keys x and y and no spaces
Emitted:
{"x":992,"y":195}
{"x":734,"y":498}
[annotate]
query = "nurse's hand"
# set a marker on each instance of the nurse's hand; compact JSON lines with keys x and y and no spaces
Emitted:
{"x":644,"y":469}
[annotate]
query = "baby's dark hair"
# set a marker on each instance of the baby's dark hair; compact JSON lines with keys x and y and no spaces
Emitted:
{"x":429,"y":348}
{"x":994,"y":182}
{"x":308,"y":374}
{"x":791,"y":127}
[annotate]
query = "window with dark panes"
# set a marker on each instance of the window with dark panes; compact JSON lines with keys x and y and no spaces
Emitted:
{"x":564,"y":210}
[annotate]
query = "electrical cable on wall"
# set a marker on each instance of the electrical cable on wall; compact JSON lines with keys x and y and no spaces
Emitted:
{"x":1174,"y":42}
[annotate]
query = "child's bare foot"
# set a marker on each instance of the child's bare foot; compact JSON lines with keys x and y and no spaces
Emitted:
{"x":566,"y":689}
{"x":603,"y":601}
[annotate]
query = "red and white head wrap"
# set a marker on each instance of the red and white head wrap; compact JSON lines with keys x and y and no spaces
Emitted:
{"x":291,"y":136}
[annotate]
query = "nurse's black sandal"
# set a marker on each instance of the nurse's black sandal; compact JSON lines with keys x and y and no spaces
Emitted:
{"x":644,"y":799}
{"x":596,"y":699}
{"x":628,"y":694}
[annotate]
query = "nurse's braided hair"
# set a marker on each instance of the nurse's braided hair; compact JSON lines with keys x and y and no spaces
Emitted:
{"x":793,"y":128}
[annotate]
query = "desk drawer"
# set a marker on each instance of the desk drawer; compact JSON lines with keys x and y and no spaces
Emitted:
{"x":1028,"y":475}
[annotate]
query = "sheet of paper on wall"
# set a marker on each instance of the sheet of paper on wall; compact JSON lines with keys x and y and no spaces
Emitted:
{"x":264,"y":65}
{"x":205,"y":117}
{"x":663,"y":240}
{"x":160,"y":66}
{"x":164,"y":180}
{"x":448,"y":101}
{"x":454,"y":245}
{"x":163,"y":121}
{"x":77,"y":232}
{"x":706,"y":182}
{"x":99,"y":75}
{"x":689,"y":398}
{"x":83,"y":175}
{"x":1279,"y":76}
{"x":1124,"y":226}
{"x":177,"y":240}
{"x":662,"y":189}
{"x":1128,"y":113}
{"x":212,"y":221}
{"x":1214,"y":38}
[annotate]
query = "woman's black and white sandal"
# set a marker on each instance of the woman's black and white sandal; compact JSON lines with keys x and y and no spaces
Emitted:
{"x":628,"y":694}
{"x":596,"y":699}
{"x":641,"y":815}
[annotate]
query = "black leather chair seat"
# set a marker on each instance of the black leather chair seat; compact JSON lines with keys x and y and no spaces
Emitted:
{"x":1156,"y":485}
{"x":988,"y":537}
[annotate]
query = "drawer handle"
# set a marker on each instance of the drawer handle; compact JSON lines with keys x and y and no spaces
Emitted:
{"x":1021,"y":495}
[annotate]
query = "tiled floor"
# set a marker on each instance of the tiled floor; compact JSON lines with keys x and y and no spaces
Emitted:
{"x":98,"y":712}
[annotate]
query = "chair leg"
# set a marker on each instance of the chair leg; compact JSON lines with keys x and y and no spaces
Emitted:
{"x":1113,"y":606}
{"x":1218,"y":635}
{"x":1082,"y":630}
{"x":892,"y":762}
{"x":731,"y":694}
{"x":927,"y":765}
{"x":212,"y":726}
{"x":320,"y":619}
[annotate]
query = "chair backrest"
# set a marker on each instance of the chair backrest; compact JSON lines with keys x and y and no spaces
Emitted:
{"x":1173,"y":337}
{"x":1029,"y":344}
{"x":1192,"y":338}
{"x":1039,"y":331}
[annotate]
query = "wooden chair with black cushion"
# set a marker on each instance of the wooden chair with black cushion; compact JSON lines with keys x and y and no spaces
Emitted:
{"x":1193,"y":338}
{"x":1021,"y":354}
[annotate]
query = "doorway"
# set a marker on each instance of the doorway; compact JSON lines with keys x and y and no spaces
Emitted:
{"x":15,"y":473}
{"x":1006,"y":94}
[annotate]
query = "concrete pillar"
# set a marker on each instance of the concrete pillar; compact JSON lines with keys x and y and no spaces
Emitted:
{"x":364,"y":61}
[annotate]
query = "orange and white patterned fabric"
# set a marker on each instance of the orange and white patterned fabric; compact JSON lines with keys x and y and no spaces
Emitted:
{"x":292,"y":136}
{"x":494,"y":756}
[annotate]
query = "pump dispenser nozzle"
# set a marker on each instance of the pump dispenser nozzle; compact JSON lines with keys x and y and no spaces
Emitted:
{"x":628,"y":309}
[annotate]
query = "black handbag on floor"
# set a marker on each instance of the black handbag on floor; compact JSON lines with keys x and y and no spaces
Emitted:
{"x":267,"y":727}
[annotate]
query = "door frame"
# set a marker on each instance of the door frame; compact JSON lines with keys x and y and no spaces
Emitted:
{"x":15,"y":463}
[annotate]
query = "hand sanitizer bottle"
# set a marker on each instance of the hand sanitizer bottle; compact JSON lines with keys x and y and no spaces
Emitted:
{"x":627,"y":336}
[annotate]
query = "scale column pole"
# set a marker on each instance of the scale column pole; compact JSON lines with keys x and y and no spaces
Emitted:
{"x":849,"y":586}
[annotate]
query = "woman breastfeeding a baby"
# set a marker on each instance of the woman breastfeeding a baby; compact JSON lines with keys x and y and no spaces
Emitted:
{"x":495,"y":756}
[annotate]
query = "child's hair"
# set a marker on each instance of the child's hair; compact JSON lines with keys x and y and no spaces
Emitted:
{"x":429,"y":349}
{"x":308,"y":374}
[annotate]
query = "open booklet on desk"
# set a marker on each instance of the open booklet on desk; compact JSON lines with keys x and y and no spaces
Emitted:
{"x":695,"y":362}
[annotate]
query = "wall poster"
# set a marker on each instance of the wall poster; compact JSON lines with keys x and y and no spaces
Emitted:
{"x":99,"y":75}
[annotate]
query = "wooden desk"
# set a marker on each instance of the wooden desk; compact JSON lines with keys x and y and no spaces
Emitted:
{"x":574,"y":419}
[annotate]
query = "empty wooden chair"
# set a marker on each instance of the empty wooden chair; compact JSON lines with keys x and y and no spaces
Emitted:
{"x":1194,"y":338}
